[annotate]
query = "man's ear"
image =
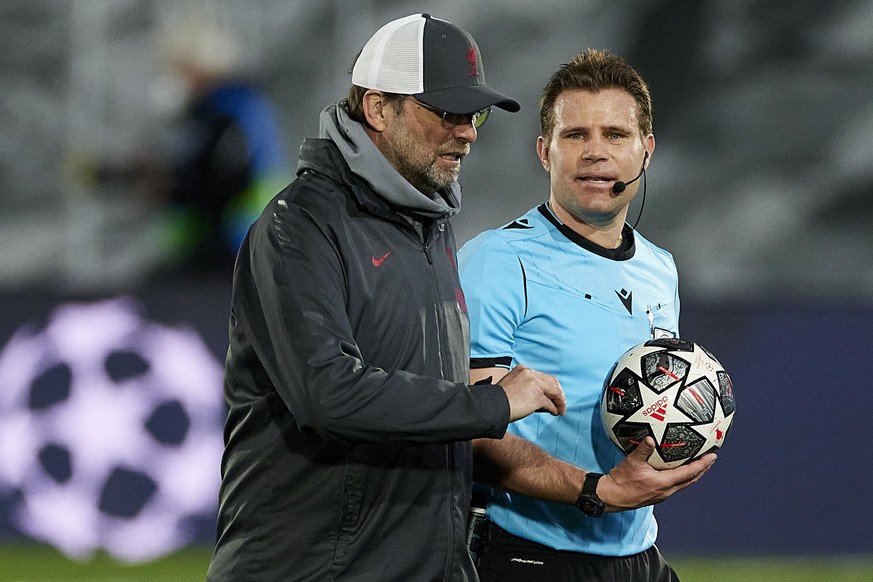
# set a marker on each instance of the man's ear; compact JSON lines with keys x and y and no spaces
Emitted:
{"x":649,"y":145}
{"x":375,"y":105}
{"x":543,"y":152}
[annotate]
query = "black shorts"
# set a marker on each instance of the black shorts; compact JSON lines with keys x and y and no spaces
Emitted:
{"x":508,"y":558}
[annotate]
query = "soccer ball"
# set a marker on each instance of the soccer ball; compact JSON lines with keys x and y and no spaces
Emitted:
{"x":673,"y":390}
{"x":110,"y":432}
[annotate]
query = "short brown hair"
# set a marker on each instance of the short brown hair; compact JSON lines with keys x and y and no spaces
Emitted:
{"x":594,"y":70}
{"x":356,"y":103}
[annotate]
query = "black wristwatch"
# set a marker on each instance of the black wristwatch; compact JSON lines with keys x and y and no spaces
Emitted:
{"x":588,"y":502}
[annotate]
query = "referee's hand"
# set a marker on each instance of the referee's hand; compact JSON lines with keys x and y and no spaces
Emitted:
{"x":634,"y":483}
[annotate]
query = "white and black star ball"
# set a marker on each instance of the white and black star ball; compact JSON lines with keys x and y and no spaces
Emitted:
{"x":673,"y":390}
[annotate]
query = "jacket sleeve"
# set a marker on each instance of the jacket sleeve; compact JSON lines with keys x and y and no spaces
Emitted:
{"x":290,"y":300}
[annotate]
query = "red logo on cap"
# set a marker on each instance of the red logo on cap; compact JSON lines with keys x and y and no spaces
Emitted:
{"x":474,"y":62}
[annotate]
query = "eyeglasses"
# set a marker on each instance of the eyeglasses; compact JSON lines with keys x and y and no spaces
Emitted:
{"x":451,"y":120}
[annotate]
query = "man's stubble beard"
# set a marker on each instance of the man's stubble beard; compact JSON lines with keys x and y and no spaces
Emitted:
{"x":415,"y":163}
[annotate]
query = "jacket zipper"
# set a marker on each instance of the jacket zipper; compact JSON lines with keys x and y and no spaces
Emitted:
{"x":426,"y":248}
{"x":449,"y":448}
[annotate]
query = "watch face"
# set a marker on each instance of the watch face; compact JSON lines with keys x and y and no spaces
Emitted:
{"x":588,"y":502}
{"x":590,"y":507}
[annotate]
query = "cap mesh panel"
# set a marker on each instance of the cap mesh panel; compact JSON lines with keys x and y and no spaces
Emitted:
{"x":401,"y":61}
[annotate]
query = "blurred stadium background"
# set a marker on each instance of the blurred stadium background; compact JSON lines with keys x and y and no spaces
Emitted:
{"x":760,"y":186}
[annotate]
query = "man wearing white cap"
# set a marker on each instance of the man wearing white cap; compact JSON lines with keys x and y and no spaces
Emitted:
{"x":347,"y":453}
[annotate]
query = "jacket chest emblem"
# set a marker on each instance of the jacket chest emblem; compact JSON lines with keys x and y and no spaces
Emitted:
{"x":377,"y":261}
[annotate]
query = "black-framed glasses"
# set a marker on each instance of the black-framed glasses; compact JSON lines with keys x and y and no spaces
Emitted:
{"x":451,"y":120}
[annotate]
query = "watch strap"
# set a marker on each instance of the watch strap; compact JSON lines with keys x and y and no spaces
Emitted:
{"x":588,"y":502}
{"x":589,"y":486}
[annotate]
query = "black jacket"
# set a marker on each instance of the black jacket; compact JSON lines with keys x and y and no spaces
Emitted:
{"x":347,"y":440}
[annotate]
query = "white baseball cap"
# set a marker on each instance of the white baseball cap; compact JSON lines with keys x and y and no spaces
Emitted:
{"x":432,"y":60}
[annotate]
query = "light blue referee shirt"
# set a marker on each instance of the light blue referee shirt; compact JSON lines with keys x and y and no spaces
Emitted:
{"x":541,"y":295}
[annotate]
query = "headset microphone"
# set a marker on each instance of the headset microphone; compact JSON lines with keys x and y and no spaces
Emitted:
{"x":620,"y":186}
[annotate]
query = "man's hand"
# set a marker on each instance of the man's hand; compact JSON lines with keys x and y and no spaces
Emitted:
{"x":531,"y":391}
{"x":634,"y":483}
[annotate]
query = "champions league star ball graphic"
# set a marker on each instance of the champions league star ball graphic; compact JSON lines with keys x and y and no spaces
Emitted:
{"x":110,"y":432}
{"x":673,"y":390}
